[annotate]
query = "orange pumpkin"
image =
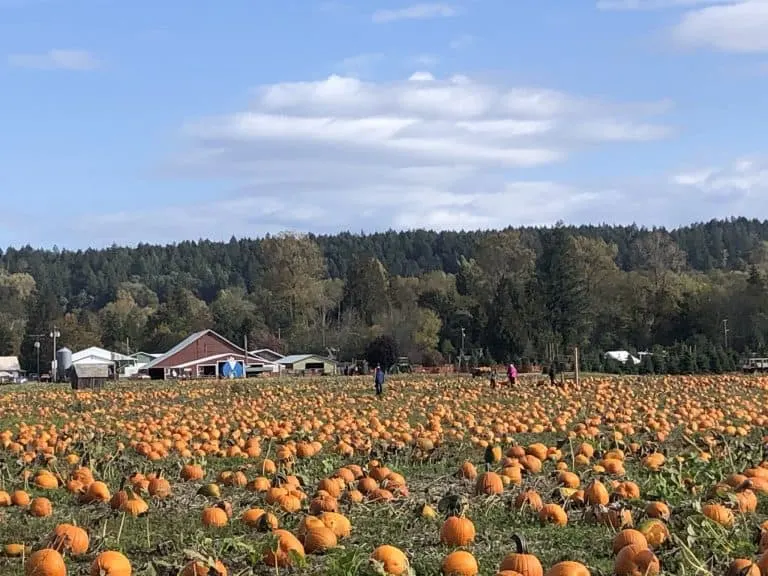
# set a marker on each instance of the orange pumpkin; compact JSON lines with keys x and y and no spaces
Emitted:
{"x":40,"y":507}
{"x":457,"y":531}
{"x":199,"y":568}
{"x":628,"y":536}
{"x":522,"y":560}
{"x":459,"y":563}
{"x":70,"y":539}
{"x":286,"y":545}
{"x":743,"y":567}
{"x":568,"y":568}
{"x":45,"y":562}
{"x":553,"y":514}
{"x":319,"y":539}
{"x":636,"y":560}
{"x":111,"y":563}
{"x":719,"y":514}
{"x":489,"y":483}
{"x":215,"y":517}
{"x":392,"y":560}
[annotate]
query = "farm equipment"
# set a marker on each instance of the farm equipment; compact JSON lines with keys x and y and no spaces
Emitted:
{"x":402,"y":366}
{"x":752,"y":365}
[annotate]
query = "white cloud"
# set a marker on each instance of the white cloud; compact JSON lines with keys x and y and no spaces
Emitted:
{"x":694,"y":178}
{"x":422,"y":152}
{"x":414,"y":12}
{"x":626,"y":5}
{"x":56,"y":60}
{"x":743,"y":185}
{"x":421,"y":77}
{"x":740,"y":27}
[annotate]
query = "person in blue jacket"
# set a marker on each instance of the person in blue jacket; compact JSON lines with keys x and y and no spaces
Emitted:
{"x":378,"y":380}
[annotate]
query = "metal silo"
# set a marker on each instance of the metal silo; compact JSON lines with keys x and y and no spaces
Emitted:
{"x":63,"y":363}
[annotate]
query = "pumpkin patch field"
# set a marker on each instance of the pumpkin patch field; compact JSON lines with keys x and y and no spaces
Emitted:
{"x":442,"y":475}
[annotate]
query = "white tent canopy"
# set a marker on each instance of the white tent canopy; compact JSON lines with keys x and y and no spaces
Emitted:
{"x":622,"y":356}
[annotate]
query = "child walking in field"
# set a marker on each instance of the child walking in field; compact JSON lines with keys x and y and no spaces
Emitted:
{"x":512,"y":374}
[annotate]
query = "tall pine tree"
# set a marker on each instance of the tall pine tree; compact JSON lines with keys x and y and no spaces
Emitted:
{"x":510,"y":328}
{"x":562,"y":289}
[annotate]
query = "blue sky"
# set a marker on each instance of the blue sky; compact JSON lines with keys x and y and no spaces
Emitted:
{"x":157,"y":122}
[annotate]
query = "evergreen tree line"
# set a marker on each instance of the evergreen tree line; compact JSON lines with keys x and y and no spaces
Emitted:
{"x":694,"y":297}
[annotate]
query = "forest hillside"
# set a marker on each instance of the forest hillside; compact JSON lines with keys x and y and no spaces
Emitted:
{"x":697,"y":291}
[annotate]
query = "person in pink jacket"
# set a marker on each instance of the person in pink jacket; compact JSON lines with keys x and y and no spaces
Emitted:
{"x":511,"y":374}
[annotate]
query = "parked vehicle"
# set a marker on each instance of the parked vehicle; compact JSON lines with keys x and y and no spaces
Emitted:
{"x":752,"y":365}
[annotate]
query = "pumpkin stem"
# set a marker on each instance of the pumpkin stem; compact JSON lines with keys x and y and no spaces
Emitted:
{"x":746,"y":570}
{"x":520,"y":544}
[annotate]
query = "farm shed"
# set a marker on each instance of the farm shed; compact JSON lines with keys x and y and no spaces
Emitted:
{"x":89,"y":376}
{"x":205,"y":354}
{"x":119,"y":363}
{"x":10,"y":370}
{"x":309,"y":364}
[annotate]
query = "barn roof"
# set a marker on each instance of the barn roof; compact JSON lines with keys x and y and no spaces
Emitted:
{"x":91,"y":370}
{"x":267,"y":353}
{"x":9,"y":364}
{"x":188,"y":341}
{"x":101,"y":353}
{"x":294,"y":358}
{"x":191,"y":339}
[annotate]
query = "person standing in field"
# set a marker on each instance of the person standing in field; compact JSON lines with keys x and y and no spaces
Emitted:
{"x":378,"y":380}
{"x":512,"y":374}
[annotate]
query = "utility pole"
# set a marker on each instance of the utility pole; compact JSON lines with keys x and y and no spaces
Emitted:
{"x":461,"y":357}
{"x":37,"y":351}
{"x":55,"y":334}
{"x":725,"y":333}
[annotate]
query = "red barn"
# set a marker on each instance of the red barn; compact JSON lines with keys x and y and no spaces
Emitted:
{"x":204,"y":354}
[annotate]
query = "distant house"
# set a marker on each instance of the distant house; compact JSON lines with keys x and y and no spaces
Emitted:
{"x":206,"y":354}
{"x":10,"y":370}
{"x":309,"y":364}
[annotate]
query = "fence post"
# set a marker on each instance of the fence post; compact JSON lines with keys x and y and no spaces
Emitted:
{"x":576,"y":363}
